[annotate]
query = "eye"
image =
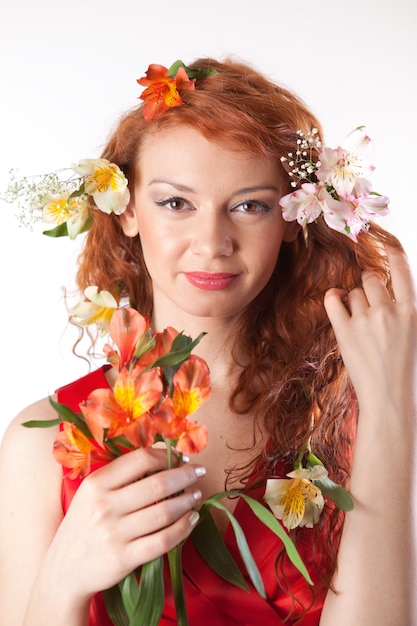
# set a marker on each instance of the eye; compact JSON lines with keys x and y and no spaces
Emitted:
{"x":174,"y":203}
{"x":252,"y":206}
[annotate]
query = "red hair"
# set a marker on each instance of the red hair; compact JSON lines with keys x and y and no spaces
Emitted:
{"x":291,"y":366}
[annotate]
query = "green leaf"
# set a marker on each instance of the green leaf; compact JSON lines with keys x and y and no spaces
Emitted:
{"x":69,"y":416}
{"x":115,"y":443}
{"x":192,"y":73}
{"x":313,"y":460}
{"x":42,"y":423}
{"x":129,"y":593}
{"x":332,"y":490}
{"x":209,"y":543}
{"x":150,"y":599}
{"x":114,"y":606}
{"x":267,"y":518}
{"x":58,"y":231}
{"x":177,"y":582}
{"x":175,"y":67}
{"x":273,"y":524}
{"x":335,"y":492}
{"x":242,"y":544}
{"x":181,"y":349}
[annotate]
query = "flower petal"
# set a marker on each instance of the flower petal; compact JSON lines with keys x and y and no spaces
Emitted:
{"x":126,"y":328}
{"x":193,"y":439}
{"x":191,"y":386}
{"x":74,"y":450}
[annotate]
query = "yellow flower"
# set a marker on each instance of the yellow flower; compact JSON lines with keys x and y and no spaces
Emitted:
{"x":106,"y":183}
{"x":73,"y":211}
{"x":296,"y":500}
{"x":99,"y":310}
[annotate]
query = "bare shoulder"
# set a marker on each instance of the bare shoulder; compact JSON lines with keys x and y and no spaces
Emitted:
{"x":27,"y":465}
{"x":18,"y":438}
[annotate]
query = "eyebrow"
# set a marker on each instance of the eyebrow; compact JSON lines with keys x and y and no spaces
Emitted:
{"x":243,"y":190}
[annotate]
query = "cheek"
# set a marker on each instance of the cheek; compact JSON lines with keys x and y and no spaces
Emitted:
{"x":268,"y":251}
{"x":160,"y":251}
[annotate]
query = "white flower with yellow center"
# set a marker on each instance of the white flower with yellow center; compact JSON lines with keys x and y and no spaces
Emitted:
{"x":296,"y":500}
{"x":106,"y":183}
{"x":72,"y":210}
{"x":98,"y":310}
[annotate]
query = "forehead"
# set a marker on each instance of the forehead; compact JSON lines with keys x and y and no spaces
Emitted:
{"x":184,"y":151}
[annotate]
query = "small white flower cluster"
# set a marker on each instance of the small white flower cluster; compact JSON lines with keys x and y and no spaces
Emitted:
{"x":65,"y":202}
{"x":301,"y":164}
{"x":30,"y":193}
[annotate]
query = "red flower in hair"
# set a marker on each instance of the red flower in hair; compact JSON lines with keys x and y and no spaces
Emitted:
{"x":162,"y":90}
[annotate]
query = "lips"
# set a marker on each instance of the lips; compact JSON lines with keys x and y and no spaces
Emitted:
{"x":211,"y":281}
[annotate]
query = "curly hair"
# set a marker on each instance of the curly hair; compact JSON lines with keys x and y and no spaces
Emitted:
{"x":292,"y":374}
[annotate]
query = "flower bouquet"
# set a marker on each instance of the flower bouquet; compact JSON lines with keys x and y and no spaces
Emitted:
{"x":159,"y":385}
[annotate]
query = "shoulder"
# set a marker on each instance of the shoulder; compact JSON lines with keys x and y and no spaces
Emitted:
{"x":22,"y":447}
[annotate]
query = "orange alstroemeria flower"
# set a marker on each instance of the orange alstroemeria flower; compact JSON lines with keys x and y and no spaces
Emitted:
{"x":74,"y":450}
{"x":124,"y":411}
{"x":192,"y":438}
{"x":163,"y":345}
{"x":161,"y":91}
{"x":126,"y":327}
{"x":191,"y":386}
{"x":189,"y":436}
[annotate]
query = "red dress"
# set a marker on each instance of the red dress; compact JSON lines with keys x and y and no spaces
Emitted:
{"x":210,"y":600}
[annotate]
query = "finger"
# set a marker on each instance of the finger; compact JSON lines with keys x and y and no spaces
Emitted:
{"x":158,"y":516}
{"x":357,"y":301}
{"x":154,"y":545}
{"x":334,"y":303}
{"x":402,"y":280}
{"x":157,"y":487}
{"x":130,"y":467}
{"x":374,"y":289}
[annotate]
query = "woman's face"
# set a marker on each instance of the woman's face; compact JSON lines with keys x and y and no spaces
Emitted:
{"x":209,"y":222}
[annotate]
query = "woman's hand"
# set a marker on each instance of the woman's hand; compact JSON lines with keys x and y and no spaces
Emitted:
{"x":123,"y":515}
{"x":377,"y":337}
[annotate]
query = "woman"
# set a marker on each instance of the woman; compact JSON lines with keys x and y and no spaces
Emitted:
{"x":308,"y":327}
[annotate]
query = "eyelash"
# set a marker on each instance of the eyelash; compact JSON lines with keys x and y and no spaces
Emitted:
{"x":261,"y":206}
{"x":171,"y":200}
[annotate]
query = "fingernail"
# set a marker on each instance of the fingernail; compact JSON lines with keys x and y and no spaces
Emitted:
{"x":200,"y":471}
{"x":185,"y":458}
{"x":197,"y":495}
{"x":193,"y":518}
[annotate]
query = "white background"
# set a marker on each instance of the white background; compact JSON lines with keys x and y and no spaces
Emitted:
{"x":69,"y":69}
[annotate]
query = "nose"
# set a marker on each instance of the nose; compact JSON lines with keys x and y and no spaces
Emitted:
{"x":212,"y":236}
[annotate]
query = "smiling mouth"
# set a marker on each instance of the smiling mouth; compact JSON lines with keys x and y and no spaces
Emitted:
{"x":211,"y":281}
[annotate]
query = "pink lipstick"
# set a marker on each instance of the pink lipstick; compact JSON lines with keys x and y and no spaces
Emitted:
{"x":210,"y":281}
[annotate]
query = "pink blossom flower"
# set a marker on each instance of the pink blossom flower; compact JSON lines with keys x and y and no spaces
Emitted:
{"x":352,"y":215}
{"x":305,"y":204}
{"x":341,"y":167}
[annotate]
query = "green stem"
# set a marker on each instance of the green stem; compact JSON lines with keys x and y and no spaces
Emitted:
{"x":177,"y":581}
{"x":175,"y":559}
{"x":299,"y":460}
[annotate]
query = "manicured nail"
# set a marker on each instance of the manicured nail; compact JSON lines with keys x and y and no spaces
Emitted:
{"x":197,"y":495}
{"x":200,"y":471}
{"x":193,"y":518}
{"x":185,"y":458}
